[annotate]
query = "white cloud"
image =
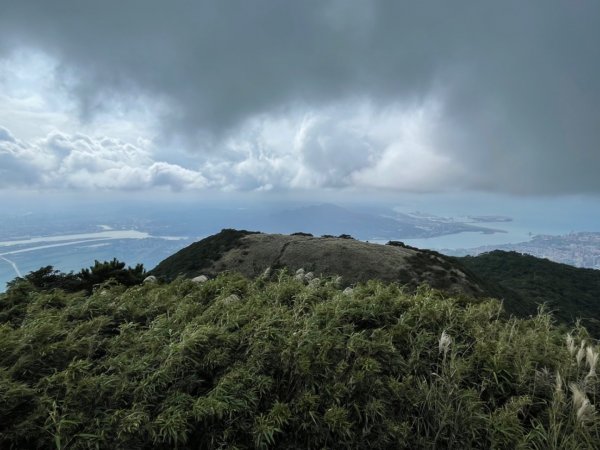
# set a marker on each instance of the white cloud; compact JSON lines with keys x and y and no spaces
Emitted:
{"x":333,"y":149}
{"x":63,"y":161}
{"x":175,"y":177}
{"x":21,"y":165}
{"x":347,"y":145}
{"x":412,"y":157}
{"x":342,"y":146}
{"x":409,"y":166}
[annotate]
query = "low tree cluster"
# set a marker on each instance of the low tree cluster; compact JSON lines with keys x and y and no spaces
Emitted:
{"x":48,"y":278}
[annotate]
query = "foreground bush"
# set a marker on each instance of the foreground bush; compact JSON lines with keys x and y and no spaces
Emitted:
{"x":234,"y":363}
{"x":47,"y":278}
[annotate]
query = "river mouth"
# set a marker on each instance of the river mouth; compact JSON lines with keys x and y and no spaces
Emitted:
{"x":107,"y":234}
{"x":40,"y":243}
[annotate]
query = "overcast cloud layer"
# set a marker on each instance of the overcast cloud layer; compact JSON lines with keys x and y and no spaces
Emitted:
{"x":420,"y":96}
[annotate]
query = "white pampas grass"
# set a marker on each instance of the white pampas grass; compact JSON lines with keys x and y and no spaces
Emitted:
{"x":580,"y":353}
{"x":591,"y":358}
{"x":571,"y":344}
{"x":444,"y":343}
{"x":584,"y":410}
{"x":558,"y":387}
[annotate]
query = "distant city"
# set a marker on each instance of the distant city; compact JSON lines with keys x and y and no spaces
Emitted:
{"x":577,"y":249}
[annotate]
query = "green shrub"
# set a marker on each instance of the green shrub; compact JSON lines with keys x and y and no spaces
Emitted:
{"x":235,"y":363}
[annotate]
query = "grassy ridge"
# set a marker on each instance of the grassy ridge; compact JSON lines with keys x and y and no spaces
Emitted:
{"x":234,"y":363}
{"x":199,"y":255}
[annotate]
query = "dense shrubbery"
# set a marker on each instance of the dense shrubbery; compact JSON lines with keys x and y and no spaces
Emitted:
{"x":234,"y":363}
{"x":571,"y":293}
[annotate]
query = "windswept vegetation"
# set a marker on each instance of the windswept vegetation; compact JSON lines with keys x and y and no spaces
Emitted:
{"x":277,"y":363}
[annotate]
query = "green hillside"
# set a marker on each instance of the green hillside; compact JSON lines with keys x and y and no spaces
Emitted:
{"x":199,"y":255}
{"x":239,"y":363}
{"x":569,"y":292}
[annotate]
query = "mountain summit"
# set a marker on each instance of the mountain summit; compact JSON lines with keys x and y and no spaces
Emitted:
{"x":251,"y":253}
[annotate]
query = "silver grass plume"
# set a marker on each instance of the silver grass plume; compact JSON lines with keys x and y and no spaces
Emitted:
{"x":571,"y":344}
{"x":444,"y":343}
{"x":584,"y":410}
{"x":580,"y":353}
{"x":267,"y":272}
{"x":591,"y":358}
{"x":558,"y":387}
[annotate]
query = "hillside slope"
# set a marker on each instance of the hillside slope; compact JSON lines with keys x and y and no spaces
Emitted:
{"x":522,"y":282}
{"x":355,"y":261}
{"x":568,"y":291}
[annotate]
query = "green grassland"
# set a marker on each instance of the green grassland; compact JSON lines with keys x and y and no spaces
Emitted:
{"x":278,"y":363}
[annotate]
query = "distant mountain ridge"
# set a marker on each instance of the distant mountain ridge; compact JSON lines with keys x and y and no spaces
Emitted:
{"x":329,"y":218}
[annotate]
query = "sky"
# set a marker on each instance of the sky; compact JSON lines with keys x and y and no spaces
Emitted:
{"x":289,"y":97}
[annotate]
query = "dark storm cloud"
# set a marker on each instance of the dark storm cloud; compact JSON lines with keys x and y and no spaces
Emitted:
{"x":519,"y":82}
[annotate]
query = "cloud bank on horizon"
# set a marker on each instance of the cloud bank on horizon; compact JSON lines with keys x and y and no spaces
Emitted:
{"x":413,"y":96}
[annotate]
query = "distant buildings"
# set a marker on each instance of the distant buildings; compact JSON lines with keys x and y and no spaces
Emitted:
{"x":577,"y":249}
